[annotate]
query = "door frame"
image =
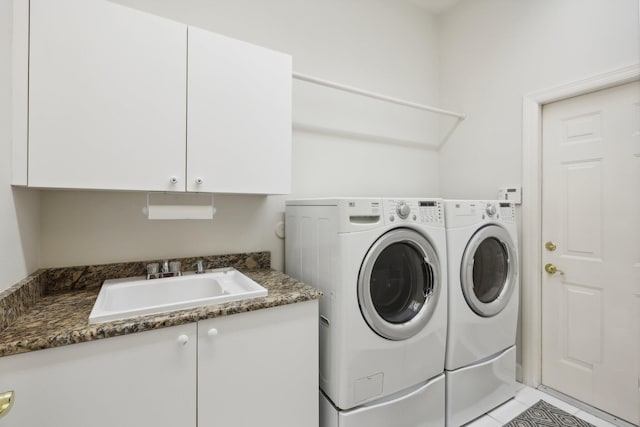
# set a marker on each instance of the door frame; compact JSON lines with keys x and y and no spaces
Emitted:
{"x":531,"y":259}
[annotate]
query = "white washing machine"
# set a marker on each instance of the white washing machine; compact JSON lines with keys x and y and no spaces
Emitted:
{"x":381,"y":264}
{"x":483,"y":307}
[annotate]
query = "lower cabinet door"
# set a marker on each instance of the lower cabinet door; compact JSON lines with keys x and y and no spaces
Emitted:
{"x":142,"y":379}
{"x":259,"y":368}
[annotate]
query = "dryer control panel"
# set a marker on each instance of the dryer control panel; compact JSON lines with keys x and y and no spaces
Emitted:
{"x":419,"y":211}
{"x":462,"y":213}
{"x":507,"y":211}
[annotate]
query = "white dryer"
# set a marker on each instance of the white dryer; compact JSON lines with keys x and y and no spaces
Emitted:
{"x":483,"y":307}
{"x":381,"y":264}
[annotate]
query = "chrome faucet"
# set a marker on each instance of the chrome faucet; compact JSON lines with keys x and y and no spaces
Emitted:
{"x":169,"y":269}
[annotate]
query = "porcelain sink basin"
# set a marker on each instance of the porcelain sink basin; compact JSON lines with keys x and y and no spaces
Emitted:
{"x":126,"y":298}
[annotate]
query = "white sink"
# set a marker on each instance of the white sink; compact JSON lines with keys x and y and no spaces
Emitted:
{"x":125,"y":298}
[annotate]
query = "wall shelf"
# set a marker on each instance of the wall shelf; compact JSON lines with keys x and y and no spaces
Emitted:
{"x":341,"y":127}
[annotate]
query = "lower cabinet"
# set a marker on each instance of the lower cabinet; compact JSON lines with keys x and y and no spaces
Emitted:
{"x":254,"y":368}
{"x":259,"y":368}
{"x":142,"y":379}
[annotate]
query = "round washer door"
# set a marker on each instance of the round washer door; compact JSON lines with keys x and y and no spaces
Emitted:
{"x":489,"y":270}
{"x":399,"y":284}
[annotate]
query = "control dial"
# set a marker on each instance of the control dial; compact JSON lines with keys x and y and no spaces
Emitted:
{"x":403,"y":210}
{"x":491,"y":210}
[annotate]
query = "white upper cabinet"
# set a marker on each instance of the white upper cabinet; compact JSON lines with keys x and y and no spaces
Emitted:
{"x":238,"y":116}
{"x":106,"y":97}
{"x":119,"y":99}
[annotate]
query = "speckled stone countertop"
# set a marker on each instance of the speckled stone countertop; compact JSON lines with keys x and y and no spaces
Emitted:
{"x":50,"y":308}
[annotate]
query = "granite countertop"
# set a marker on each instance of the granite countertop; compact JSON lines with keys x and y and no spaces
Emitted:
{"x":60,"y":300}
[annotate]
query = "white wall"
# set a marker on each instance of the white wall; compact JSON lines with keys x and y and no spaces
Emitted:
{"x":380,"y":45}
{"x":495,"y":51}
{"x":485,"y":56}
{"x":19,"y":208}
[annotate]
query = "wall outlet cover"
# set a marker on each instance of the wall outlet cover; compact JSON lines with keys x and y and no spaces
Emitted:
{"x":513,"y":193}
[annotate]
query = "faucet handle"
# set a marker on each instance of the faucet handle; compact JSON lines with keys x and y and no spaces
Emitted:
{"x":153,"y":268}
{"x":165,"y":266}
{"x":174,"y":267}
{"x":199,"y":266}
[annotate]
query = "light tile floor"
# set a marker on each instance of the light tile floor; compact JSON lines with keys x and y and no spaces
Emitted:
{"x":526,"y":397}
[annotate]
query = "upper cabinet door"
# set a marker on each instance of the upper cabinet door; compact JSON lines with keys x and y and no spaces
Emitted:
{"x":107,"y":97}
{"x":238,"y":116}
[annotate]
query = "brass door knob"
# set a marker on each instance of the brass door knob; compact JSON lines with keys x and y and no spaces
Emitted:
{"x":552,"y":269}
{"x":550,"y":246}
{"x":6,"y":402}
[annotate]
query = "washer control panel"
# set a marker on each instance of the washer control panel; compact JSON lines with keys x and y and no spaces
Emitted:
{"x":420,"y":211}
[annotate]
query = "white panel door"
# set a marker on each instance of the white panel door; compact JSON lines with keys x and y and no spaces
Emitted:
{"x":107,"y":97}
{"x":591,"y":212}
{"x":239,"y":116}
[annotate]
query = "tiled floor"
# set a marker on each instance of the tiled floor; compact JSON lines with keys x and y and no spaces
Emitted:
{"x":526,"y":397}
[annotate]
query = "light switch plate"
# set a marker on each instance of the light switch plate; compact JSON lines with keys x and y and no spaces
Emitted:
{"x":513,"y":194}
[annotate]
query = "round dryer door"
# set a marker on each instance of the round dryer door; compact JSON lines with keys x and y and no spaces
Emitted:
{"x":489,"y":270}
{"x":399,"y":284}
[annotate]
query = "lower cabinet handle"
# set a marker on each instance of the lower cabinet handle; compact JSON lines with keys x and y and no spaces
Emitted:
{"x":183,"y":339}
{"x":6,"y":402}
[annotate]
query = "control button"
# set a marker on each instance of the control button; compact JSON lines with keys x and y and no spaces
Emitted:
{"x":415,"y":217}
{"x":403,"y":210}
{"x":392,"y":218}
{"x":491,"y":210}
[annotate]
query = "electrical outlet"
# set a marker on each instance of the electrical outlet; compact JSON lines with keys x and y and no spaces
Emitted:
{"x":513,"y":194}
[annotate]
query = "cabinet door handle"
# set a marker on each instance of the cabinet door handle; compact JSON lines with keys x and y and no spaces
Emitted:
{"x":212,"y":332}
{"x":6,"y":402}
{"x":173,"y":180}
{"x":183,"y":339}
